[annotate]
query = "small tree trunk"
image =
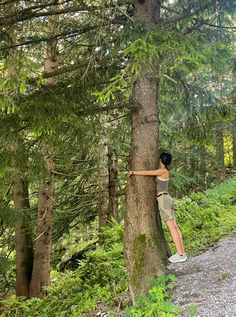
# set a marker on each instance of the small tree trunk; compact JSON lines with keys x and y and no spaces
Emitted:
{"x":234,"y":119}
{"x":202,"y":159}
{"x":113,"y":186}
{"x":234,"y":143}
{"x":192,"y":158}
{"x":104,"y":183}
{"x":220,"y":149}
{"x":23,"y":237}
{"x":42,"y":254}
{"x":144,"y":253}
{"x":202,"y":164}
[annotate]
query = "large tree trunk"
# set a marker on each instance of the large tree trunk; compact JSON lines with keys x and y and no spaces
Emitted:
{"x":42,"y":254}
{"x":23,"y":237}
{"x":145,"y":256}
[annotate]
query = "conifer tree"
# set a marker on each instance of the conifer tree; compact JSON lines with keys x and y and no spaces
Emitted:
{"x":42,"y":250}
{"x":19,"y":182}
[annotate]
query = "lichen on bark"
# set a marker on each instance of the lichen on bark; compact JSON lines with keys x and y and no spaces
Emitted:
{"x":139,"y":251}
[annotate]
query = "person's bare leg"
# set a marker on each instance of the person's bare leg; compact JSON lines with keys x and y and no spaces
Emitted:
{"x":180,"y":234}
{"x":171,"y":225}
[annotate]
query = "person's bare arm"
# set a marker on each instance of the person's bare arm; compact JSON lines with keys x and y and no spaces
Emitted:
{"x":158,"y":172}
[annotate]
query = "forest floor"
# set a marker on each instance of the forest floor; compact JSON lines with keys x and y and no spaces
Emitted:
{"x":208,"y":281}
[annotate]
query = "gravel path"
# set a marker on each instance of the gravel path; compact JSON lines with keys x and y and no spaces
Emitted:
{"x":208,"y":281}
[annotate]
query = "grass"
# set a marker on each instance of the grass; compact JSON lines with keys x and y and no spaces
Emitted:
{"x":206,"y":217}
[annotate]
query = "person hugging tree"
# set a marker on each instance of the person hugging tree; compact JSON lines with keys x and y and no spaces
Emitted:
{"x":166,"y":203}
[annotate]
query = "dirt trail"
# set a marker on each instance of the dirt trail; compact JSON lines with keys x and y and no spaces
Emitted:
{"x":208,"y":281}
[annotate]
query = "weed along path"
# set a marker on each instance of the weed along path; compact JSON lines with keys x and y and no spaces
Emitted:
{"x":208,"y":281}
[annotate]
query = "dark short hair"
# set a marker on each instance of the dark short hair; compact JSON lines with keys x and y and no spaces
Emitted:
{"x":166,"y":159}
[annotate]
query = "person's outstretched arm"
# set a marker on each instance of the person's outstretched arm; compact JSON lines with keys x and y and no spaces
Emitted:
{"x":158,"y":172}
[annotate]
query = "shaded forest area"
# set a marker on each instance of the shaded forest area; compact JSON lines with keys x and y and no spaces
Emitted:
{"x":88,"y":91}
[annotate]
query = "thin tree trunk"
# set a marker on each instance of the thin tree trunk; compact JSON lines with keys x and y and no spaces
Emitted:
{"x":23,"y":236}
{"x":145,"y":256}
{"x":234,"y":143}
{"x":202,"y":159}
{"x":108,"y":206}
{"x":202,"y":164}
{"x":234,"y":119}
{"x":113,"y":185}
{"x":104,"y":178}
{"x":220,"y":149}
{"x":192,"y":158}
{"x":42,"y":254}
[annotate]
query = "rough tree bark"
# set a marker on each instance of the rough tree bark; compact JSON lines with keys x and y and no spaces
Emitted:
{"x":23,"y":236}
{"x":108,"y":205}
{"x":104,"y":178}
{"x":144,"y":252}
{"x":42,"y":253}
{"x":20,"y":195}
{"x":113,"y":185}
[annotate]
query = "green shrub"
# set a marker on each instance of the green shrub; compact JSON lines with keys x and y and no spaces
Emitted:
{"x":157,"y":303}
{"x":100,"y":280}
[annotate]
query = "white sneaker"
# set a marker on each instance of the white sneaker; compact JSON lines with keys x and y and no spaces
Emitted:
{"x":177,"y":258}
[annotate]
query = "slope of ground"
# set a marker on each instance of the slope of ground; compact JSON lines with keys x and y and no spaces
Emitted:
{"x":208,"y":281}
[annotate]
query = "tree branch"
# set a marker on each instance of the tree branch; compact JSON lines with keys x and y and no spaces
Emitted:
{"x":221,"y":26}
{"x":28,"y":13}
{"x":188,"y":13}
{"x":66,"y":34}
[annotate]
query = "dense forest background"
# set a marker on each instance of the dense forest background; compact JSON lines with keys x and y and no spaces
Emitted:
{"x":88,"y":91}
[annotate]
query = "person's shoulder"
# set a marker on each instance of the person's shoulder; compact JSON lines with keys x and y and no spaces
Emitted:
{"x":161,"y":172}
{"x":167,"y":174}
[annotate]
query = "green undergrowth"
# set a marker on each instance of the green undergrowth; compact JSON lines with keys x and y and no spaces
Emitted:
{"x":206,"y":217}
{"x":100,"y":281}
{"x":158,"y":301}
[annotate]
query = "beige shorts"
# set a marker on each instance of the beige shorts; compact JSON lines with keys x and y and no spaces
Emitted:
{"x":166,"y":207}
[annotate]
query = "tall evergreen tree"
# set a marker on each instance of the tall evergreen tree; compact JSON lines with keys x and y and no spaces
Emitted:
{"x":144,"y":252}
